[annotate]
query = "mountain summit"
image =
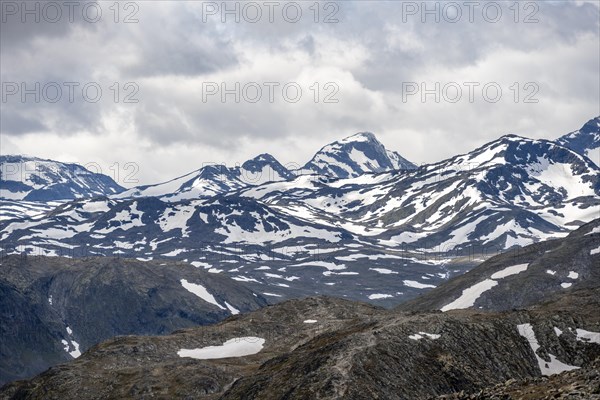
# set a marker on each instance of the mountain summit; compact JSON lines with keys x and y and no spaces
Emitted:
{"x":585,"y":141}
{"x":355,"y":155}
{"x":215,"y":179}
{"x":37,"y":179}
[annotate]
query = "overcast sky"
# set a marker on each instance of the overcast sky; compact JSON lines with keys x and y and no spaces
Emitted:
{"x":178,"y":53}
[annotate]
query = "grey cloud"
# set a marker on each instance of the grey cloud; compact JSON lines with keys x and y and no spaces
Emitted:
{"x":171,"y":42}
{"x":12,"y":123}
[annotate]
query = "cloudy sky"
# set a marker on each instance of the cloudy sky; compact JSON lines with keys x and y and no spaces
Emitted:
{"x":359,"y":66}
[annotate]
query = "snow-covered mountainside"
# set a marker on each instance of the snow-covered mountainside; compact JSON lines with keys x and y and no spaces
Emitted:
{"x":211,"y":180}
{"x":585,"y":141}
{"x":354,"y":156}
{"x":532,"y":274}
{"x":16,"y":209}
{"x":512,"y":191}
{"x":36,"y":179}
{"x":377,"y":237}
{"x":350,"y":157}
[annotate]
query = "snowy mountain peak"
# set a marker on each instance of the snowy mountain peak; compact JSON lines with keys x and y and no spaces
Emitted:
{"x":585,"y":141}
{"x":262,"y":160}
{"x":37,"y":179}
{"x":263,"y":168}
{"x":355,"y":155}
{"x":360,"y":137}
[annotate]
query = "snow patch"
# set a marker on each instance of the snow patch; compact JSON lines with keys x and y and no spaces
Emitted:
{"x":417,"y":285}
{"x":573,"y":275}
{"x":384,"y":271}
{"x":232,"y":309}
{"x":421,"y":335}
{"x":515,"y":269}
{"x":201,"y":292}
{"x":547,"y":368}
{"x":587,"y":336}
{"x":378,"y":296}
{"x":236,"y":347}
{"x":470,"y":295}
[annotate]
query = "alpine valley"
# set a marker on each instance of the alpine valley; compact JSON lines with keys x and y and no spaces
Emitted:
{"x":359,"y":240}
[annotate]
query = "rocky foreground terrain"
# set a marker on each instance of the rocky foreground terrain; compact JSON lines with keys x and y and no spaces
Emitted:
{"x":579,"y":384}
{"x":52,"y":308}
{"x":326,"y":348}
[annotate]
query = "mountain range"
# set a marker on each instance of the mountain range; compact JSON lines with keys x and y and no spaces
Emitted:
{"x":36,"y":179}
{"x":313,"y":234}
{"x":510,"y":224}
{"x":542,"y":341}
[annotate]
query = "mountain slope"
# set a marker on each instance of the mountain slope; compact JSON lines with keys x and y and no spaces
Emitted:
{"x":330,"y":349}
{"x":512,"y":191}
{"x":36,"y":179}
{"x":585,"y":141}
{"x":212,"y":180}
{"x":54,"y":308}
{"x":522,"y":277}
{"x":353,"y":156}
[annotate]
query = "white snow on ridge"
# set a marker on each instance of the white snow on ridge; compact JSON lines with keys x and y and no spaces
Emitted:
{"x":595,"y":251}
{"x":515,"y":269}
{"x":587,"y":336}
{"x":470,"y":295}
{"x":201,"y":292}
{"x":232,"y":309}
{"x":71,"y":344}
{"x":236,"y":347}
{"x":547,"y":368}
{"x":271,"y":294}
{"x":378,"y":296}
{"x":560,"y":176}
{"x":384,"y":271}
{"x":417,"y":285}
{"x":421,"y":335}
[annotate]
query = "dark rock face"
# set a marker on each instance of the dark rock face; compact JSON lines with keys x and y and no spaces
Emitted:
{"x":52,"y":307}
{"x":580,"y":384}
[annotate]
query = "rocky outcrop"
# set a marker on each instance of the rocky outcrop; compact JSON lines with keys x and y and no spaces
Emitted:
{"x":329,"y":349}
